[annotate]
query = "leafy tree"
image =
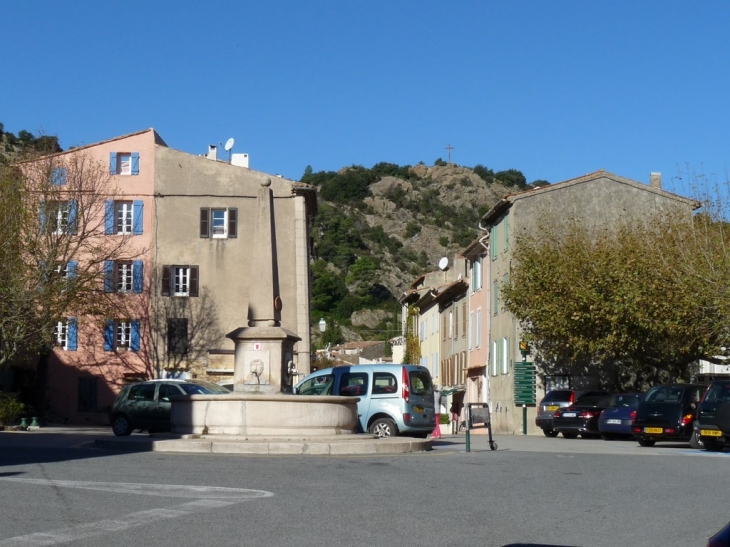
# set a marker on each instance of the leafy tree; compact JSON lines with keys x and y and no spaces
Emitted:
{"x":26,"y":137}
{"x":512,"y":177}
{"x":412,"y":228}
{"x":539,"y":183}
{"x":52,"y":253}
{"x":487,"y":175}
{"x":630,"y":302}
{"x":440,"y":162}
{"x":412,"y":353}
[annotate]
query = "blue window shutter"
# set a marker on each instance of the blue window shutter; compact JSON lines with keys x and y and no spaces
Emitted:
{"x":134,"y":345}
{"x":108,"y":276}
{"x":58,"y":176}
{"x":137,"y":225}
{"x":112,"y":163}
{"x":135,"y":163}
{"x":109,"y":217}
{"x":71,"y":268}
{"x":137,"y":276}
{"x":73,"y":207}
{"x":108,"y":335}
{"x":72,"y":335}
{"x":42,"y":217}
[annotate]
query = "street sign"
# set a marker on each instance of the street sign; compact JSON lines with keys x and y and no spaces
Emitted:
{"x":525,"y":385}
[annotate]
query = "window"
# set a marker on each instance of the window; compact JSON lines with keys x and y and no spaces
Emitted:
{"x":471,"y":330}
{"x":121,"y":334}
{"x":166,"y":391}
{"x":87,"y":390}
{"x":493,"y":360}
{"x":493,"y":242}
{"x":124,"y":163}
{"x":435,"y":365}
{"x":476,"y":274}
{"x":180,"y":281}
{"x":218,"y":222}
{"x":123,"y":217}
{"x":446,"y":327}
{"x":65,"y":334}
{"x":505,"y":355}
{"x":384,"y":383}
{"x":354,"y":384}
{"x":463,"y":320}
{"x":177,"y":336}
{"x":58,"y":176}
{"x":123,"y":276}
{"x":479,"y":328}
{"x":456,"y":321}
{"x":506,"y":233}
{"x":495,"y":290}
{"x":58,"y":217}
{"x":142,"y":392}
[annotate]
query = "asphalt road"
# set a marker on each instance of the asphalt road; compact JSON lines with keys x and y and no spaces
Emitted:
{"x":58,"y":489}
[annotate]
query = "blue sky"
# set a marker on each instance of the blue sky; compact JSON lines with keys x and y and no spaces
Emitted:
{"x":555,"y":89}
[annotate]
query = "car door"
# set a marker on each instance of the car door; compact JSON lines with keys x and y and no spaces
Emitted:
{"x":141,"y":406}
{"x":357,"y":384}
{"x":163,"y":406}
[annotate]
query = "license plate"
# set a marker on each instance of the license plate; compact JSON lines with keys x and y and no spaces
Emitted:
{"x":569,"y":414}
{"x":554,"y":407}
{"x":653,"y":430}
{"x":710,"y":432}
{"x":417,"y":409}
{"x":613,"y":421}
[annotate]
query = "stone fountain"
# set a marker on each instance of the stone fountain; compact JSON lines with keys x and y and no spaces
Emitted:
{"x":261,"y":403}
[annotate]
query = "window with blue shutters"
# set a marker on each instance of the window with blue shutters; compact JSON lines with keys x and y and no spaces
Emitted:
{"x":121,"y":334}
{"x":123,"y":276}
{"x":123,"y":217}
{"x":65,"y":334}
{"x":58,"y":217}
{"x":124,"y":163}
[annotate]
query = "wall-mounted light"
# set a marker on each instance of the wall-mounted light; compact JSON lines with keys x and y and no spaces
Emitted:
{"x":322,"y":325}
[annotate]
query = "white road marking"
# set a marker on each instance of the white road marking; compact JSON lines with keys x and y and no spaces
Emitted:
{"x":204,"y":498}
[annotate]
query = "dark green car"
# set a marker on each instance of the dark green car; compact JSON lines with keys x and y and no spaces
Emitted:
{"x":146,"y":405}
{"x":713,"y":416}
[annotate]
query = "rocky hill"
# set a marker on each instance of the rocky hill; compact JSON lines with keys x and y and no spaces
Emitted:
{"x":377,"y":232}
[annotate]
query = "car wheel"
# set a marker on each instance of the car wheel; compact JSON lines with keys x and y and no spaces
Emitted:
{"x":608,"y":436}
{"x":646,"y":442}
{"x":713,"y":445}
{"x":121,"y":425}
{"x":550,"y":432}
{"x":384,"y":427}
{"x":695,"y":441}
{"x":570,"y":435}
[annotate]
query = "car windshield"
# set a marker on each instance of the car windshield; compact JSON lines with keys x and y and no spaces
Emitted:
{"x":558,"y":396}
{"x":625,"y":401}
{"x":203,"y":388}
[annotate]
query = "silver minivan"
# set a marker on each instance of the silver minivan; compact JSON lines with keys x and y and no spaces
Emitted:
{"x":394,"y":399}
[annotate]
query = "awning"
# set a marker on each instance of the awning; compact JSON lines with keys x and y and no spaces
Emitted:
{"x":450,"y":390}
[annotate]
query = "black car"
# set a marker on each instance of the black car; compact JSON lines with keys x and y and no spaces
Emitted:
{"x":581,"y":418}
{"x":554,"y":400}
{"x":713,"y":416}
{"x":667,"y":413}
{"x":147,"y":405}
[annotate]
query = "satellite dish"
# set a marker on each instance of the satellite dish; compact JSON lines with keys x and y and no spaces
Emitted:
{"x":229,"y":145}
{"x":444,"y":264}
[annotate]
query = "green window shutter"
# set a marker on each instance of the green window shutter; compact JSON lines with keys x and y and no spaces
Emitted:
{"x":506,"y":233}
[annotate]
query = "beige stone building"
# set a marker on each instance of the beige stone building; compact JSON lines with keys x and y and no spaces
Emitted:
{"x":596,"y":198}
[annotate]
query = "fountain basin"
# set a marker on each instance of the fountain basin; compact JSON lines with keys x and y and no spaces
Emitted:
{"x":246,"y":414}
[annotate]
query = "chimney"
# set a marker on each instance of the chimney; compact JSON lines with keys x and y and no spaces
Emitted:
{"x":212,"y":152}
{"x":655,"y":180}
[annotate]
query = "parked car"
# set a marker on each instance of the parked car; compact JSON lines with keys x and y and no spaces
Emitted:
{"x":146,"y":405}
{"x":713,"y":416}
{"x":616,"y":420}
{"x":581,"y":418}
{"x":666,"y":414}
{"x":393,"y":399}
{"x":554,"y":400}
{"x":721,"y":538}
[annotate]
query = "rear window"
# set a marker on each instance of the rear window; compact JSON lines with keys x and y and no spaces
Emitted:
{"x":665,"y":394}
{"x":625,"y":401}
{"x":718,"y":393}
{"x":558,"y":396}
{"x":593,"y":399}
{"x":420,"y":383}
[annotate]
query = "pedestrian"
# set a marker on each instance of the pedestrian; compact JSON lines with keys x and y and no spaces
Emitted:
{"x":455,"y":414}
{"x":436,"y":434}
